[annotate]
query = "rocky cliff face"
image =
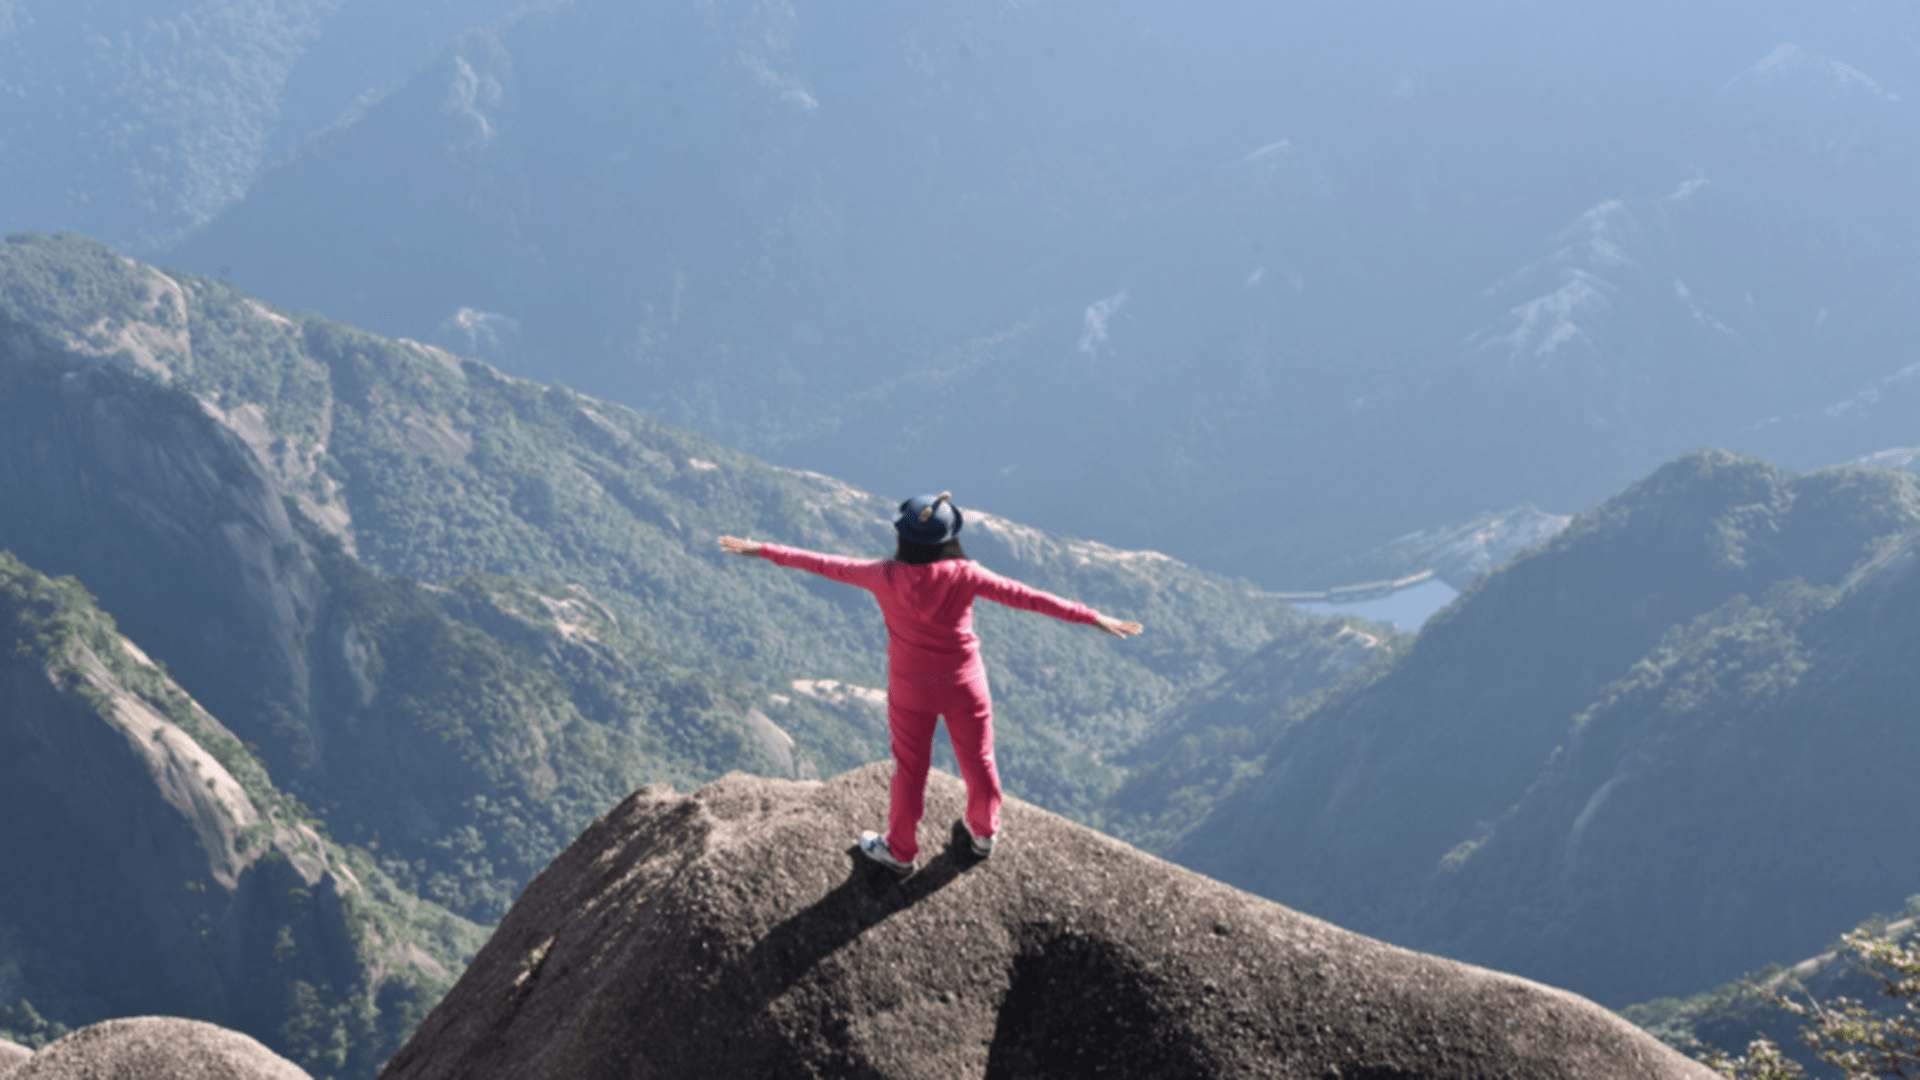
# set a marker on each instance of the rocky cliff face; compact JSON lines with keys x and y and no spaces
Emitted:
{"x":90,"y":766}
{"x":153,"y":867}
{"x":734,"y":932}
{"x":169,"y":520}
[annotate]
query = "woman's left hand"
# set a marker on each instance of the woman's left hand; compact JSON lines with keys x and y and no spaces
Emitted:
{"x":1109,"y":624}
{"x":733,"y":545}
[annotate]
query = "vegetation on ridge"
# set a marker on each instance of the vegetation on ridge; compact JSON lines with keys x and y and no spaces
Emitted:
{"x":1556,"y":777}
{"x":278,"y":931}
{"x":434,"y":468}
{"x":475,"y":612}
{"x":1814,"y":1017}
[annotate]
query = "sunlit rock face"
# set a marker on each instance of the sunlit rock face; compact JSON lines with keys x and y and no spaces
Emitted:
{"x":12,"y":1056}
{"x":155,"y":868}
{"x":155,"y":1048}
{"x":169,"y":519}
{"x":734,"y":932}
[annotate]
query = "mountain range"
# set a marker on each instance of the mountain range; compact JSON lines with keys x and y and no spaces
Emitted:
{"x":450,"y":616}
{"x":457,"y":615}
{"x":141,"y":121}
{"x":1020,"y":249}
{"x":1301,"y":296}
{"x":1387,"y":267}
{"x":1624,"y":728}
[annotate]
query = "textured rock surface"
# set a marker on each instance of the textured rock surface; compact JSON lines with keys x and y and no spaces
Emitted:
{"x":735,"y":932}
{"x":170,"y":521}
{"x":155,"y":881}
{"x":156,"y":1048}
{"x":11,"y":1056}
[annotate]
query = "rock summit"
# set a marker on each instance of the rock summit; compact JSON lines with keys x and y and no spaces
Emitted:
{"x":735,"y":932}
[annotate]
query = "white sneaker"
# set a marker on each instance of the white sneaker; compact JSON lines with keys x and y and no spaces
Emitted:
{"x":982,"y":845}
{"x":874,"y":846}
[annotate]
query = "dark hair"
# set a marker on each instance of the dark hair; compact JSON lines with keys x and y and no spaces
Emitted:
{"x":921,"y":554}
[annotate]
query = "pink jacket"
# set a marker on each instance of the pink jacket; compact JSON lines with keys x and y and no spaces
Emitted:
{"x":929,"y":609}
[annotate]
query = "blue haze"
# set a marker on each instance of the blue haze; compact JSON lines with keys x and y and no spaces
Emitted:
{"x":1257,"y":284}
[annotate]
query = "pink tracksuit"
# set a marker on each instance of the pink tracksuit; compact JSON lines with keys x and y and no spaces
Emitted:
{"x":934,"y":670}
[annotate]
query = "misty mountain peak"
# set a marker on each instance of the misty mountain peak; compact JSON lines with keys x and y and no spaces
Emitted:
{"x":1790,"y":62}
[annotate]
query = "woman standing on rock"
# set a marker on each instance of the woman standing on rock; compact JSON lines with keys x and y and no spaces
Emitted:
{"x":926,"y":592}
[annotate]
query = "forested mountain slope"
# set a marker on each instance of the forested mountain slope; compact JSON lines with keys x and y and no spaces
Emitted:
{"x":460,"y":615}
{"x":1022,"y":245}
{"x":149,"y":865}
{"x":1638,"y":757}
{"x":1680,"y":798}
{"x":424,"y":465}
{"x":138,"y":120}
{"x":470,"y":730}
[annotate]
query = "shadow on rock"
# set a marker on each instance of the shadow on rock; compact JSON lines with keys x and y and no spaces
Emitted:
{"x":718,"y":935}
{"x":1084,"y":1007}
{"x":870,"y":895}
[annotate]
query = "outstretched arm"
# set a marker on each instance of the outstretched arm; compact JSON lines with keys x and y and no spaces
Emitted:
{"x":1027,"y":598}
{"x":862,"y":572}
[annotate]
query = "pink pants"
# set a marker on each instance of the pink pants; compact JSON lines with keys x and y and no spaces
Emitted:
{"x":912,"y":713}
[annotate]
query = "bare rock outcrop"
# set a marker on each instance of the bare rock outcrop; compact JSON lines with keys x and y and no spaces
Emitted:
{"x":165,"y":884}
{"x":173,"y":524}
{"x":735,"y":932}
{"x":164,"y":872}
{"x":156,"y":1048}
{"x":12,"y":1056}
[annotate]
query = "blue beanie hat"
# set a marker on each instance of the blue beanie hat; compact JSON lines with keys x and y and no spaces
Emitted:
{"x":929,"y":519}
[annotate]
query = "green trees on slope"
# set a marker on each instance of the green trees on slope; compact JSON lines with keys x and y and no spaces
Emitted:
{"x":1557,"y":778}
{"x":457,"y":614}
{"x":153,"y":866}
{"x":484,"y":723}
{"x":1846,"y":1034}
{"x":433,"y":468}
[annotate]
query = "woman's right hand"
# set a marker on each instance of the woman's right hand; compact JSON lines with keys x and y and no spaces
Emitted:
{"x":733,"y":545}
{"x":1110,"y":625}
